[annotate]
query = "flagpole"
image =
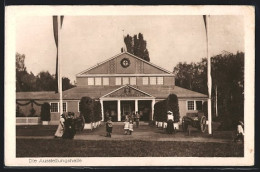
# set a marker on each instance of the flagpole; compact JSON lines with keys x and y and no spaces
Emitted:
{"x":59,"y":65}
{"x":209,"y":78}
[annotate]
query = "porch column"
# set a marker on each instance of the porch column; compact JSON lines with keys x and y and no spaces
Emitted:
{"x":153,"y":103}
{"x":136,"y":106}
{"x":102,"y":110}
{"x":118,"y":110}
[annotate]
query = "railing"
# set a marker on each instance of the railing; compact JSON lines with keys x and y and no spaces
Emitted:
{"x":28,"y":120}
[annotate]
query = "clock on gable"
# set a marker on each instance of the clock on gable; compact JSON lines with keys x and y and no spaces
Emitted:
{"x":125,"y":62}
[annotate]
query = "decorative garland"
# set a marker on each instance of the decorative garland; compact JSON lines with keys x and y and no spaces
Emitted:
{"x":30,"y":101}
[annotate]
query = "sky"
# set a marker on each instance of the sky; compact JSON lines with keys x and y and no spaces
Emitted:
{"x":88,"y":40}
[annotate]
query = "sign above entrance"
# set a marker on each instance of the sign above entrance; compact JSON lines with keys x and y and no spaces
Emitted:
{"x":127,"y":91}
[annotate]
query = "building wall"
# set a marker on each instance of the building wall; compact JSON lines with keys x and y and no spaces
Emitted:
{"x":26,"y":109}
{"x":72,"y":106}
{"x":114,"y":66}
{"x":83,"y":81}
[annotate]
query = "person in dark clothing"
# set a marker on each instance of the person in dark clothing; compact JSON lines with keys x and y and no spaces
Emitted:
{"x":69,"y":131}
{"x":109,"y":127}
{"x":169,"y":128}
{"x":170,"y":118}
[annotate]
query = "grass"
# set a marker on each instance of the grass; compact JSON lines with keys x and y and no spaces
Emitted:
{"x":133,"y":148}
{"x":124,"y":146}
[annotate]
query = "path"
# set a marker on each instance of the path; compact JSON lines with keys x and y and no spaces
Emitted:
{"x":144,"y":133}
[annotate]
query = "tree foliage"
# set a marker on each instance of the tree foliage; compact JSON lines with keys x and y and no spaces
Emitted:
{"x":90,"y":109}
{"x":227,"y":71}
{"x":137,"y":45}
{"x":170,"y":104}
{"x":44,"y":81}
{"x":173,"y":105}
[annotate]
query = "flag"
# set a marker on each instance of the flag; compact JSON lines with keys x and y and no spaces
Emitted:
{"x":208,"y":76}
{"x":56,"y":33}
{"x":208,"y":57}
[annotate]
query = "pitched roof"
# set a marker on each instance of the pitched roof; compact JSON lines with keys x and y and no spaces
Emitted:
{"x":96,"y":92}
{"x":119,"y":55}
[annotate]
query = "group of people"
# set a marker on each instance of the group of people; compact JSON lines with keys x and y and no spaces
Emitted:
{"x":128,"y":124}
{"x":66,"y":127}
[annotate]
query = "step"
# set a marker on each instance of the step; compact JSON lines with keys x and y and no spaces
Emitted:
{"x":140,"y":123}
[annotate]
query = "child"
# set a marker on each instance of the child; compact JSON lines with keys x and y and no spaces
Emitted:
{"x":109,"y":127}
{"x":126,"y":126}
{"x":240,"y":132}
{"x":131,"y":127}
{"x":137,"y":118}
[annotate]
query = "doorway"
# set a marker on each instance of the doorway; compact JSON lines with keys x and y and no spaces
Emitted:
{"x":127,"y":107}
{"x":110,"y":109}
{"x":145,"y":110}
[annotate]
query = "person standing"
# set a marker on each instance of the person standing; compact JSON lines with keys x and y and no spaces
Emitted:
{"x":70,"y":131}
{"x":60,"y":129}
{"x":109,"y":127}
{"x":131,"y":127}
{"x":170,"y":119}
{"x":126,"y":126}
{"x":137,"y":119}
{"x":240,"y":132}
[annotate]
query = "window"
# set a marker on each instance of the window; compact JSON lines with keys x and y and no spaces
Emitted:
{"x":160,"y":80}
{"x":118,"y":80}
{"x":98,"y":81}
{"x":194,"y":105}
{"x":132,"y":80}
{"x":191,"y":105}
{"x":145,"y":80}
{"x":105,"y":81}
{"x":78,"y":106}
{"x":90,"y":81}
{"x":64,"y":107}
{"x":54,"y":107}
{"x":152,"y":80}
{"x":125,"y":80}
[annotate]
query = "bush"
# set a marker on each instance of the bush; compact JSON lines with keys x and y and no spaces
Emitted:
{"x":87,"y":109}
{"x":160,"y":111}
{"x":97,"y":111}
{"x":161,"y":108}
{"x":45,"y":112}
{"x":173,"y":105}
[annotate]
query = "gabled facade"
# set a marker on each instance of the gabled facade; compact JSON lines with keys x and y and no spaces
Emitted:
{"x":123,"y":69}
{"x":123,"y":84}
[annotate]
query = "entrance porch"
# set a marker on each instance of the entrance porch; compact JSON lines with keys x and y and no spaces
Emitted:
{"x":119,"y":108}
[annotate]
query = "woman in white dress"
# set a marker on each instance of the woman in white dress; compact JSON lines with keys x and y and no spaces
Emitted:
{"x":60,"y":129}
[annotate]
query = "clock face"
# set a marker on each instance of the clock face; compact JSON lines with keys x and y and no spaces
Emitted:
{"x":125,"y":62}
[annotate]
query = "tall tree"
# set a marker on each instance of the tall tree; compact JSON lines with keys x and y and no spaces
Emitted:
{"x":137,"y":45}
{"x":227,"y":76}
{"x":66,"y":84}
{"x":24,"y":80}
{"x":44,"y":81}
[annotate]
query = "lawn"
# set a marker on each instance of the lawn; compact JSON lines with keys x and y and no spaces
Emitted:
{"x":146,"y":141}
{"x":133,"y":148}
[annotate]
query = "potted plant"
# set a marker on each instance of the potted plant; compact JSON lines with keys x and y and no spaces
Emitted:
{"x":45,"y":113}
